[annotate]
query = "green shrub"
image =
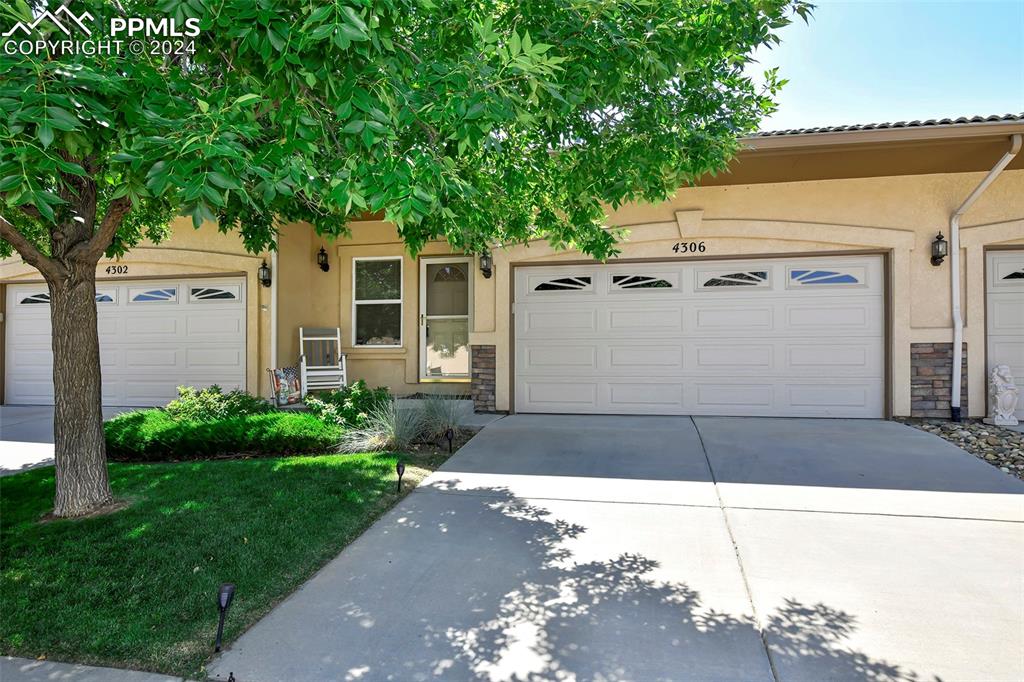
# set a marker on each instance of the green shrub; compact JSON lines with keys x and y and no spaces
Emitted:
{"x":156,"y":435}
{"x":347,"y":406}
{"x":386,"y":427}
{"x":211,"y":404}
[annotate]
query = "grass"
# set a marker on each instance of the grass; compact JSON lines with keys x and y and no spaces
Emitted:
{"x":137,"y":588}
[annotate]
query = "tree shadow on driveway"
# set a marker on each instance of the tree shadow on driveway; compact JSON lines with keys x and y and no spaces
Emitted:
{"x":482,"y":585}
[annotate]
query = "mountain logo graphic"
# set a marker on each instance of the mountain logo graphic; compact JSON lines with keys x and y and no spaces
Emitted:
{"x":62,"y":19}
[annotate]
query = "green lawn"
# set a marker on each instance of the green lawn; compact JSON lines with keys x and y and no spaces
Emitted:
{"x":137,"y":588}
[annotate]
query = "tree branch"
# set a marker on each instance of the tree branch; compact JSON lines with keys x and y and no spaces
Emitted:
{"x":31,"y":211}
{"x":99,"y":242}
{"x":50,"y":268}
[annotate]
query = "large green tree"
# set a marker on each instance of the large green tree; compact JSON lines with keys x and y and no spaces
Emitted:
{"x":480,"y":122}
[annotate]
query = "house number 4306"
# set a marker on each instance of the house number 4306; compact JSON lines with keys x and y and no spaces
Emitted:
{"x":689,"y":247}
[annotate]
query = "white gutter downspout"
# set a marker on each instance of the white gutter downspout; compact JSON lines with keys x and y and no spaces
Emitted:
{"x":954,"y":274}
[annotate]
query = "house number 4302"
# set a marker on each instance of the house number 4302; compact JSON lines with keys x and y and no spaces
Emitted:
{"x":689,"y":247}
{"x":117,"y":270}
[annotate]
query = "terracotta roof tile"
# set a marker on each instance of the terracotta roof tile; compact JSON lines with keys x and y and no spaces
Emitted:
{"x":896,"y":124}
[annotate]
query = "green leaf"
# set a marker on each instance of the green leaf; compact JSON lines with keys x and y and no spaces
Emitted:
{"x":246,"y":99}
{"x":353,"y":18}
{"x":222,"y":180}
{"x":203,"y":106}
{"x":61,"y":119}
{"x":45,"y":134}
{"x":10,"y":182}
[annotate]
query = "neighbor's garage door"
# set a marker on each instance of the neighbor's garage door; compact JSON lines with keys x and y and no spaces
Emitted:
{"x":795,"y":337}
{"x":154,"y":336}
{"x":1006,"y":315}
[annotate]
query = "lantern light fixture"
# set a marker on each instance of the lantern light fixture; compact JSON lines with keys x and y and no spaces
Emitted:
{"x":940,"y":249}
{"x":321,"y":260}
{"x":263,"y":274}
{"x":486,"y":264}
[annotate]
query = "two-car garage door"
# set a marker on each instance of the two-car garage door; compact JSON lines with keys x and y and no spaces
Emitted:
{"x":154,"y":336}
{"x":794,"y":337}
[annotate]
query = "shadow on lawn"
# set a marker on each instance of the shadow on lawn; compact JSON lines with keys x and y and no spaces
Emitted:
{"x":543,"y":612}
{"x":136,"y":588}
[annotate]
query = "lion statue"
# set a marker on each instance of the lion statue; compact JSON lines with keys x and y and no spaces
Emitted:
{"x":1003,"y":394}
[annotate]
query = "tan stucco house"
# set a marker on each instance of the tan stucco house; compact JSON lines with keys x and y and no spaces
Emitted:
{"x":799,"y":283}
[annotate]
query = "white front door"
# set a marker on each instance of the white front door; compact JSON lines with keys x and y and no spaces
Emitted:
{"x":1005,"y":313}
{"x":788,"y":337}
{"x":155,"y":335}
{"x":446,"y":288}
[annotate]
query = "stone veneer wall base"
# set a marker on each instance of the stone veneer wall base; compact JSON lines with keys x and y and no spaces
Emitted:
{"x":482,"y":378}
{"x":931,"y":370}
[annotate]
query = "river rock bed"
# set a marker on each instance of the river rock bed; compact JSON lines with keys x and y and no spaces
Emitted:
{"x":999,"y":446}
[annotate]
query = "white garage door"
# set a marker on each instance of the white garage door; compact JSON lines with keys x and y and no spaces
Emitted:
{"x":154,"y":336}
{"x":795,"y":337}
{"x":1006,"y":315}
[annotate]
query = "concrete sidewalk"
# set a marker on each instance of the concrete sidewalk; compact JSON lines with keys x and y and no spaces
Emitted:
{"x":28,"y":670}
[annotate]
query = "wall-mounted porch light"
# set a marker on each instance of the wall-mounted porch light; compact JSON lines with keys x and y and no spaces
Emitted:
{"x":263,"y":274}
{"x":486,"y":264}
{"x":321,"y":260}
{"x":940,"y":249}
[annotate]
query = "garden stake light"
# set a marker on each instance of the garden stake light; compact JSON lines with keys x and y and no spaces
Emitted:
{"x":449,"y":434}
{"x":224,"y":597}
{"x":400,"y":469}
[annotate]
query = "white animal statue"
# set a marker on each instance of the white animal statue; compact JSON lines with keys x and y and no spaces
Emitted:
{"x":1003,"y":395}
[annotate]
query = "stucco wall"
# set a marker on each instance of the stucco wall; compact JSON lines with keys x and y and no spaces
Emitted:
{"x":898,"y":216}
{"x":310,"y":297}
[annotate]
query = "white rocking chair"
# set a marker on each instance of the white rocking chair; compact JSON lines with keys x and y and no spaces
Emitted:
{"x":321,"y":363}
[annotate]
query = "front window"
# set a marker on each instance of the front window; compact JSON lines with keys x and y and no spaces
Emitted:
{"x":377,"y":301}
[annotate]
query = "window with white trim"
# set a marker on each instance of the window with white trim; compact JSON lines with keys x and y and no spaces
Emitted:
{"x":377,"y":302}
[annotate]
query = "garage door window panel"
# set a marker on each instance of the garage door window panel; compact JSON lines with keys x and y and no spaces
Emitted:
{"x":157,"y":295}
{"x":35,"y":299}
{"x":750,"y":278}
{"x":575,"y":283}
{"x":633,"y":282}
{"x":214,"y":294}
{"x":826,"y":277}
{"x":377,"y":302}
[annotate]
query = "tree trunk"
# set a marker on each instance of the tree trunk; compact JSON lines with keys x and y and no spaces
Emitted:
{"x":80,"y":448}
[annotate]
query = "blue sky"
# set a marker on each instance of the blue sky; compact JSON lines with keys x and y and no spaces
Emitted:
{"x":872,"y":61}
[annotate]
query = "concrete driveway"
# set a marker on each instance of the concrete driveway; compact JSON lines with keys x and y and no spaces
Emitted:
{"x":661,"y":548}
{"x":26,"y":436}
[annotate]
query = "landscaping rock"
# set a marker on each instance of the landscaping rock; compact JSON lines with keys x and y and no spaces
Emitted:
{"x":999,"y":447}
